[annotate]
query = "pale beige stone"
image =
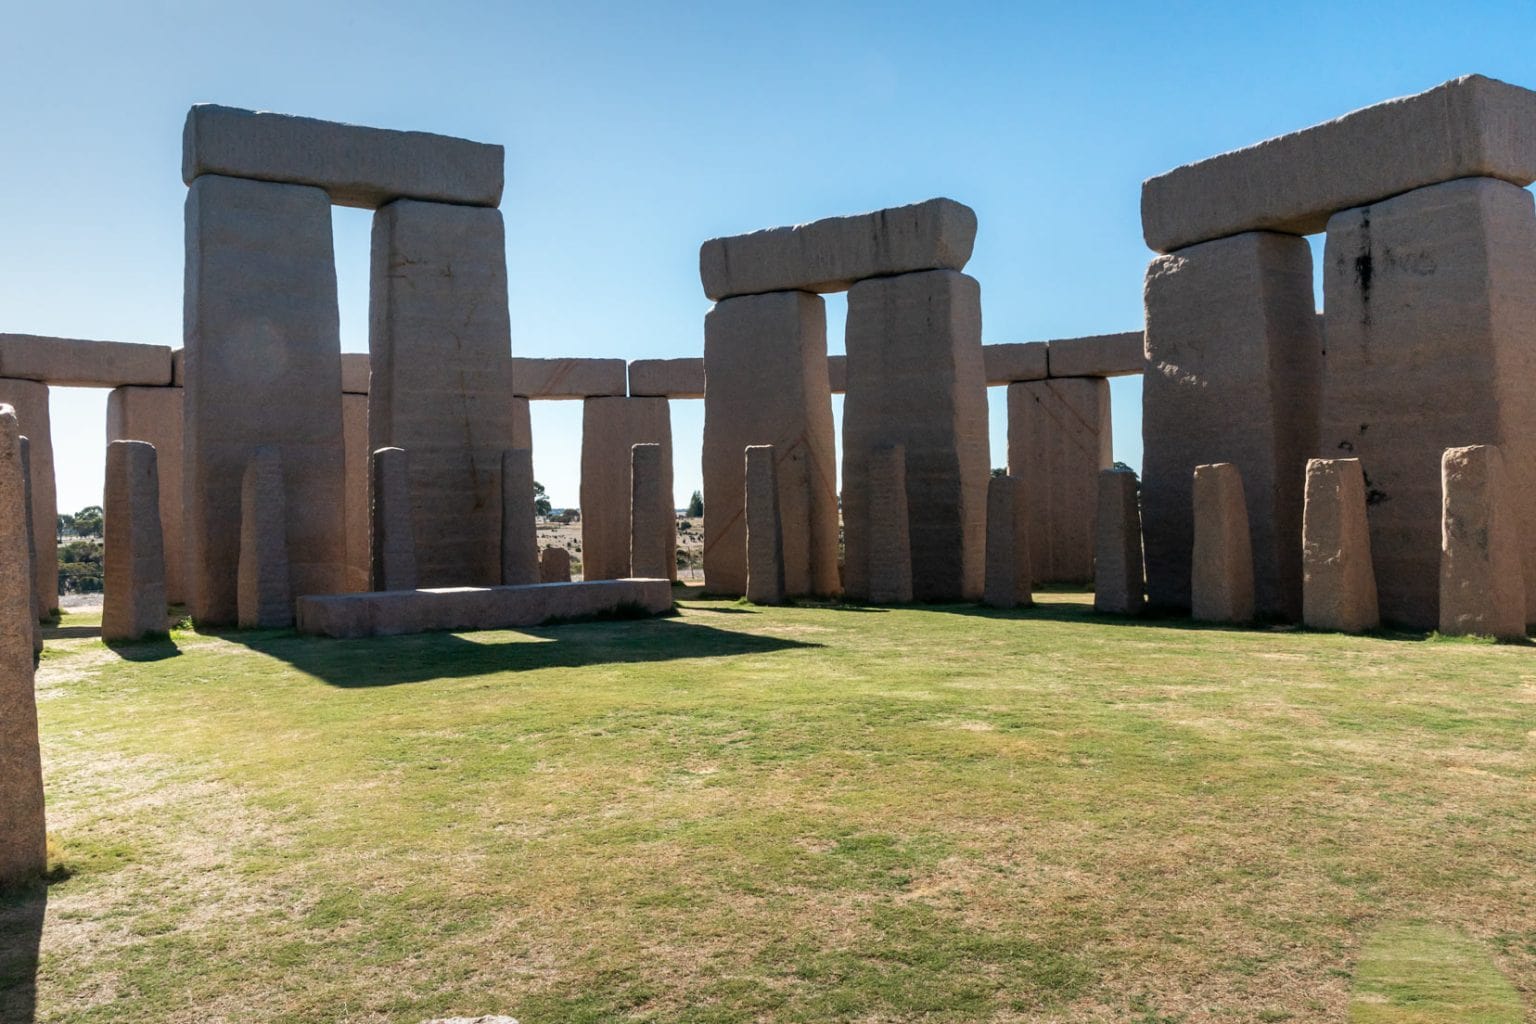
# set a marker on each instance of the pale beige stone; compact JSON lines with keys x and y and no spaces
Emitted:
{"x":1118,"y":581}
{"x":652,"y":516}
{"x":519,"y":520}
{"x":154,"y":415}
{"x":1338,"y":586}
{"x":1101,"y":355}
{"x":1234,"y":355}
{"x":1430,"y":313}
{"x":1006,"y":364}
{"x":915,"y":379}
{"x":765,"y":536}
{"x":355,"y":165}
{"x":1221,"y":581}
{"x":71,"y":362}
{"x":26,"y":493}
{"x":29,"y":399}
{"x":889,"y":561}
{"x":522,"y":424}
{"x":1467,"y":127}
{"x":666,"y":378}
{"x":134,"y":604}
{"x":1059,"y":437}
{"x":355,"y":370}
{"x":356,"y":459}
{"x":1008,"y":544}
{"x":264,"y":588}
{"x":610,"y":428}
{"x":837,"y":374}
{"x":569,"y":379}
{"x":392,"y":531}
{"x":555,"y":565}
{"x":765,"y":364}
{"x":1482,"y":586}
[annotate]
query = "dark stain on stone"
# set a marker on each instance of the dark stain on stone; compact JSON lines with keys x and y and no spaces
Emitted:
{"x":1364,"y":267}
{"x":1346,"y":446}
{"x":1373,"y":495}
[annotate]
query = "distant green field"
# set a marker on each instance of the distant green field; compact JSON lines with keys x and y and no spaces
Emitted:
{"x":801,"y":814}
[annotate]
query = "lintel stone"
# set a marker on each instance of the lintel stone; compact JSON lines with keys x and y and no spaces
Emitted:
{"x":569,"y":378}
{"x":667,"y":378}
{"x":72,"y":362}
{"x":1101,"y":355}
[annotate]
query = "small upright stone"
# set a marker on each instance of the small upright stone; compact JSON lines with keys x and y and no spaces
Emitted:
{"x":890,"y":546}
{"x":1008,"y":556}
{"x":555,"y":566}
{"x":765,"y":536}
{"x":519,"y":527}
{"x":1482,"y":589}
{"x":134,"y":560}
{"x":652,"y":520}
{"x":392,"y":531}
{"x":1118,"y":578}
{"x":1338,"y":583}
{"x":1221,"y":581}
{"x":265,"y":600}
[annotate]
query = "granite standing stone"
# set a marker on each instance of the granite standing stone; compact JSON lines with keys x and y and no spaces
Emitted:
{"x":888,"y":569}
{"x":555,"y":566}
{"x":1009,"y":571}
{"x":154,"y":415}
{"x":1482,"y":588}
{"x":30,"y":400}
{"x":392,"y":533}
{"x":610,"y":428}
{"x":1118,"y":579}
{"x":765,"y":538}
{"x":1221,"y":584}
{"x":519,"y":519}
{"x":357,"y":461}
{"x":265,"y":595}
{"x":652,"y":517}
{"x":26,"y":492}
{"x":134,"y":559}
{"x":1338,"y":584}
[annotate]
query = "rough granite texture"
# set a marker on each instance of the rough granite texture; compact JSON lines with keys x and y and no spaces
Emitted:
{"x":1338,"y":585}
{"x":1119,"y":584}
{"x":154,"y":415}
{"x":23,"y":835}
{"x":391,"y":533}
{"x":29,"y":400}
{"x":356,"y":459}
{"x":265,"y":595}
{"x":1007,"y":364}
{"x":133,"y":562}
{"x":765,"y":537}
{"x":652,"y":515}
{"x":1221,"y":578}
{"x":519,"y":520}
{"x":888,"y":562}
{"x":68,"y":362}
{"x":554,"y":565}
{"x":1102,"y":355}
{"x":1008,"y":544}
{"x":610,"y":428}
{"x":666,"y":378}
{"x":1482,"y":588}
{"x":1059,"y":437}
{"x":569,"y":379}
{"x":30,"y":524}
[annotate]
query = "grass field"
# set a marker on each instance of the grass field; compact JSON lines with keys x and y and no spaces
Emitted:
{"x":801,"y":814}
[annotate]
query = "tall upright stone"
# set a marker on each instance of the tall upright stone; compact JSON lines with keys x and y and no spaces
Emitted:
{"x":439,"y":342}
{"x":1119,"y":583}
{"x":765,"y":535}
{"x":1221,"y":581}
{"x":1338,"y":586}
{"x":765,"y":383}
{"x":29,"y":399}
{"x":265,"y":597}
{"x":1430,"y":309}
{"x":888,"y":548}
{"x":519,"y":519}
{"x":1233,"y":361}
{"x":1059,"y":438}
{"x":23,"y":835}
{"x":916,"y":379}
{"x":262,"y":368}
{"x":652,"y":516}
{"x":610,"y":428}
{"x":1009,"y":555}
{"x":26,"y":492}
{"x":392,"y":530}
{"x":154,"y":415}
{"x":1482,"y":588}
{"x":357,"y":461}
{"x":134,"y":560}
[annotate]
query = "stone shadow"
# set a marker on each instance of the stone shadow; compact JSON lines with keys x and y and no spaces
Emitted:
{"x":151,"y":648}
{"x":21,"y":934}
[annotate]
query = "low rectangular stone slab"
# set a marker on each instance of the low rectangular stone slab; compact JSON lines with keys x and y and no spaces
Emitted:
{"x":72,"y":362}
{"x":667,"y":378}
{"x":1102,"y":355}
{"x":569,"y":378}
{"x":1467,"y":127}
{"x":466,"y":608}
{"x":357,"y":166}
{"x":1014,"y":362}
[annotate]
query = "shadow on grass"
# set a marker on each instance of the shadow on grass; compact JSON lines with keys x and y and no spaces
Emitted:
{"x":392,"y":660}
{"x":150,"y":648}
{"x":21,"y":935}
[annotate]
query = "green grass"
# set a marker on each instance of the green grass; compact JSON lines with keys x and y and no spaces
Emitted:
{"x":797,"y":814}
{"x":1416,"y":973}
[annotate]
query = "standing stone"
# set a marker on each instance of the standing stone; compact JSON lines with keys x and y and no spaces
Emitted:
{"x":30,"y":401}
{"x":26,"y":491}
{"x":1430,"y":309}
{"x":1009,"y":568}
{"x":610,"y":429}
{"x":522,"y":424}
{"x":154,"y":415}
{"x":1233,"y":356}
{"x":915,"y":379}
{"x":1221,"y":584}
{"x":1338,"y":583}
{"x":765,"y":383}
{"x":134,"y":559}
{"x":439,"y":342}
{"x":262,"y":368}
{"x":1059,"y":438}
{"x":765,"y":536}
{"x":265,"y":597}
{"x":1118,"y":581}
{"x":519,"y":519}
{"x":889,"y":566}
{"x":555,"y":566}
{"x":357,"y":460}
{"x":392,"y":535}
{"x":23,"y":836}
{"x":653,"y":520}
{"x":1482,"y":589}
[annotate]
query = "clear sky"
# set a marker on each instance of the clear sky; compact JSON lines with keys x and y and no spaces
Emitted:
{"x":635,"y":131}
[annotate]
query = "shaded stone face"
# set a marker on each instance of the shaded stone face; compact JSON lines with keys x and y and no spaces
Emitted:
{"x":357,"y":461}
{"x":1101,"y":355}
{"x":29,"y":401}
{"x":265,"y":595}
{"x":1482,"y":589}
{"x":154,"y":415}
{"x":610,"y":429}
{"x":889,"y":545}
{"x":30,"y":525}
{"x":1338,"y":580}
{"x":568,"y":379}
{"x":1008,"y":544}
{"x":134,"y":560}
{"x":1221,"y":586}
{"x":765,"y":548}
{"x":555,"y":565}
{"x":667,"y":378}
{"x":392,"y":533}
{"x":519,"y":521}
{"x":1430,"y":318}
{"x":1233,"y":363}
{"x":652,"y":518}
{"x":1118,"y":582}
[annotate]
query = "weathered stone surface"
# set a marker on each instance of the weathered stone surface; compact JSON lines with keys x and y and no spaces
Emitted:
{"x":551,"y":379}
{"x":354,"y":373}
{"x":1234,"y":356}
{"x":133,"y":562}
{"x":915,"y":379}
{"x":1482,"y":585}
{"x":652,"y":516}
{"x":29,"y":399}
{"x":1221,"y":582}
{"x":1059,"y":437}
{"x":765,"y":536}
{"x":356,"y":166}
{"x":30,"y":525}
{"x":1006,"y":364}
{"x":154,"y":415}
{"x":765,"y":364}
{"x":555,"y":565}
{"x":439,"y":339}
{"x":1118,"y":581}
{"x":610,"y":428}
{"x":837,"y":374}
{"x":1338,"y":586}
{"x":262,"y":368}
{"x":392,"y":533}
{"x":1008,"y":539}
{"x":666,"y":378}
{"x":69,"y":362}
{"x":1467,"y":127}
{"x":1102,"y":355}
{"x":519,"y":520}
{"x":830,"y":255}
{"x":356,"y":460}
{"x":23,"y":836}
{"x":468,"y":608}
{"x":1430,"y":313}
{"x":889,"y":560}
{"x":522,"y":424}
{"x":265,"y":594}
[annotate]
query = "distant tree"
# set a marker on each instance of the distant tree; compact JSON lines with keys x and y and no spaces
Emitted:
{"x":1121,"y":465}
{"x":65,"y":526}
{"x":685,"y":527}
{"x":999,"y":471}
{"x":696,"y":505}
{"x":88,"y":521}
{"x":541,"y":505}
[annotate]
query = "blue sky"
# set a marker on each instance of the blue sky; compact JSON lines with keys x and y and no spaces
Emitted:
{"x":635,"y":131}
